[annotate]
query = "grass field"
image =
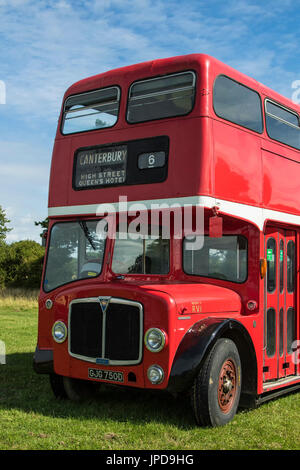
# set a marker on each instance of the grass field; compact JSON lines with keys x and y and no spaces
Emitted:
{"x":32,"y":419}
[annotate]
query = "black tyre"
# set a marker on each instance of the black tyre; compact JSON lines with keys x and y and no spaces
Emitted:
{"x":78,"y":390}
{"x":57,"y":386}
{"x":216,"y":391}
{"x":72,"y":389}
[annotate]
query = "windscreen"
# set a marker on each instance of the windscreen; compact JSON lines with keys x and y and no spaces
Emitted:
{"x":75,"y":252}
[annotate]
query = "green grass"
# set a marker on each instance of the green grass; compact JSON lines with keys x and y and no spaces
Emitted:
{"x":32,"y":419}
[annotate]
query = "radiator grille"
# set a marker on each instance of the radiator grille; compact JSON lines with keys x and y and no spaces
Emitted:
{"x":86,"y":322}
{"x":114,"y":334}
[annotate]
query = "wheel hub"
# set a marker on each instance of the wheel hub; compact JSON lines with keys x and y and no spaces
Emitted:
{"x":227,"y":386}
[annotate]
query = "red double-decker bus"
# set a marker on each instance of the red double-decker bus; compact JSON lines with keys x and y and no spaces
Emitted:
{"x":220,"y":320}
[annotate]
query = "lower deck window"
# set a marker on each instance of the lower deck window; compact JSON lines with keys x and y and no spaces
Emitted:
{"x":271,"y":332}
{"x":220,"y":258}
{"x":140,"y":256}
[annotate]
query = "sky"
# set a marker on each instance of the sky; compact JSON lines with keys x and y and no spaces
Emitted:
{"x":45,"y":46}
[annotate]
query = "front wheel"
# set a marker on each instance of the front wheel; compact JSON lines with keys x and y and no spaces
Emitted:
{"x":217,"y":388}
{"x":72,"y":389}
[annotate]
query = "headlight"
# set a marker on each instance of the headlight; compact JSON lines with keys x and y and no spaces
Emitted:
{"x":59,"y":332}
{"x":155,"y":339}
{"x":155,"y":374}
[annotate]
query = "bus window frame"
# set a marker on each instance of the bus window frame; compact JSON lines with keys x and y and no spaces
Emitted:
{"x":142,"y":275}
{"x":146,"y":79}
{"x":63,"y":221}
{"x":275,"y":103}
{"x":85,"y":93}
{"x":276,"y":277}
{"x":232,"y":122}
{"x":217,"y":278}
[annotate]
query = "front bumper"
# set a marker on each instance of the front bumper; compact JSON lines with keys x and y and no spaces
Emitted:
{"x":43,"y":361}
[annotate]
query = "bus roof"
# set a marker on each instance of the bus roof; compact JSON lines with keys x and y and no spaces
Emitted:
{"x":157,"y":67}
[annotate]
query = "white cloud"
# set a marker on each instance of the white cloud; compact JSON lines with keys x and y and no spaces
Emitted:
{"x":24,"y":170}
{"x":48,"y":45}
{"x":52,"y":44}
{"x":23,"y":228}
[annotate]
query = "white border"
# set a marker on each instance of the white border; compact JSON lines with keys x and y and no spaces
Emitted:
{"x":256,"y":215}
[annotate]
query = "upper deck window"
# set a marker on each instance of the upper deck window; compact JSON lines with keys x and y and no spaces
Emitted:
{"x":161,"y":97}
{"x":282,"y":125}
{"x":90,"y":111}
{"x":237,"y":103}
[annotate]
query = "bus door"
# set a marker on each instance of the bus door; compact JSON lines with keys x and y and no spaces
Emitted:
{"x":280,"y":304}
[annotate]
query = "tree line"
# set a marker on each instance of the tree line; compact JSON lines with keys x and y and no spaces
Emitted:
{"x":21,"y":262}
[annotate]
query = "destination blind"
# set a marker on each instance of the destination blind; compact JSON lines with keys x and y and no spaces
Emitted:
{"x":100,"y":167}
{"x":133,"y":162}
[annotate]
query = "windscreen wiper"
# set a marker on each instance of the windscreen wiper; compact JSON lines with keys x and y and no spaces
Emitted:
{"x":87,"y":233}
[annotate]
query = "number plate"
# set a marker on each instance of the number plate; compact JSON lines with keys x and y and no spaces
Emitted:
{"x":104,"y":374}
